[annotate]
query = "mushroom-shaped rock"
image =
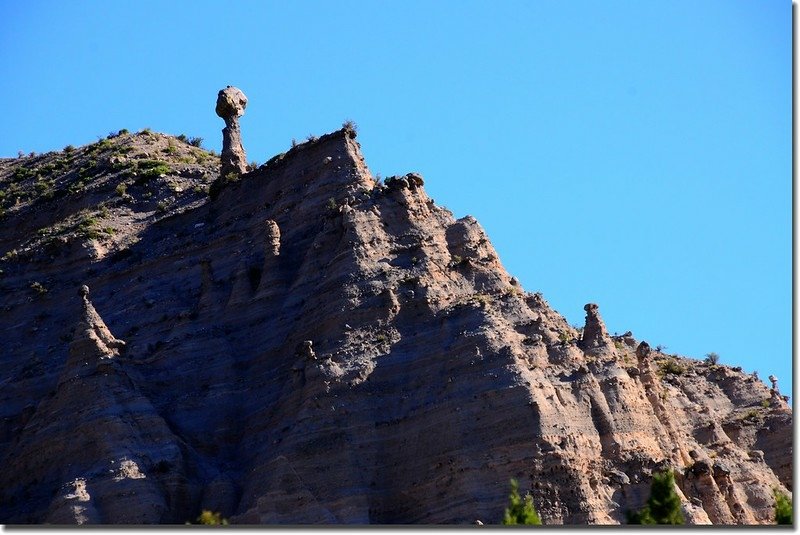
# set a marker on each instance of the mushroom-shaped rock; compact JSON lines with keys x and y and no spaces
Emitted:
{"x":595,"y":337}
{"x":774,"y":381}
{"x":231,"y":103}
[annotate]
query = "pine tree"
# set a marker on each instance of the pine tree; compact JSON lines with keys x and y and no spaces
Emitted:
{"x":663,"y":506}
{"x":519,"y":510}
{"x":783,"y":509}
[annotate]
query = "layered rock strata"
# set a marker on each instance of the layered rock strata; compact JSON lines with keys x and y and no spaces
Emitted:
{"x":312,"y":346}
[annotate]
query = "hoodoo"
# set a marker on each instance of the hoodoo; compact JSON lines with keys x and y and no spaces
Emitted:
{"x":231,"y":103}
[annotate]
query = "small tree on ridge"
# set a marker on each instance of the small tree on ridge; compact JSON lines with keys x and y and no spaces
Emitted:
{"x":520,"y":511}
{"x":663,"y":506}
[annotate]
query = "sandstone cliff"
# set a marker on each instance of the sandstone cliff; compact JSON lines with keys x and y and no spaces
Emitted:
{"x":306,"y":345}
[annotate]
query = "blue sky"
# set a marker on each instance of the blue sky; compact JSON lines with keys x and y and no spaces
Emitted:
{"x":633,"y":154}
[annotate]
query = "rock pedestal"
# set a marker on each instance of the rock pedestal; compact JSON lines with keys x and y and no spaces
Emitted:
{"x":231,"y":103}
{"x":595,"y":338}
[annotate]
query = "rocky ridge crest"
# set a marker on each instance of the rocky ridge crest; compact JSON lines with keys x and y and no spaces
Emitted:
{"x":305,"y":344}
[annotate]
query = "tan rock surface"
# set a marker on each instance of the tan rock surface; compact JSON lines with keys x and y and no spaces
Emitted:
{"x":431,"y":378}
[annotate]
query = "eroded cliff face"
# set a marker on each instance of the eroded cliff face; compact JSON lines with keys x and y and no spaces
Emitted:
{"x":309,"y":346}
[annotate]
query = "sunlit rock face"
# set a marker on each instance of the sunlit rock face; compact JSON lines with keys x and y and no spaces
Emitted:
{"x":311,"y":346}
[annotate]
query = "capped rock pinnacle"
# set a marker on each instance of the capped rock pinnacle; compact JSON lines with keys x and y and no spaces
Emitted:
{"x":231,"y":103}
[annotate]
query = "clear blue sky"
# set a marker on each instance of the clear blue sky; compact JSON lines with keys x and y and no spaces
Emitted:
{"x":636,"y":154}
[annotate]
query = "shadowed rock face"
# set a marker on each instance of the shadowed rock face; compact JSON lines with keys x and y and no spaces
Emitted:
{"x":311,"y":347}
{"x":231,"y":103}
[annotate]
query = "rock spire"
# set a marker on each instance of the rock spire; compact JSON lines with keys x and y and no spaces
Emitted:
{"x":231,"y":103}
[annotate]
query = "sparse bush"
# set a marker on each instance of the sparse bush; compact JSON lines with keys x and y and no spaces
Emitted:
{"x":21,"y":173}
{"x":783,"y":509}
{"x":69,"y":148}
{"x":350,"y":125}
{"x":182,"y":137}
{"x":711,"y":358}
{"x":208,"y":518}
{"x":152,"y":168}
{"x":195,"y":141}
{"x":171,"y":148}
{"x":87,"y":227}
{"x":331,"y":205}
{"x":671,"y":367}
{"x":101,"y":145}
{"x":121,"y":189}
{"x":520,"y":511}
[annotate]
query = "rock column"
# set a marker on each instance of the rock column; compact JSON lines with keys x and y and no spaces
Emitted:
{"x":231,"y":103}
{"x":595,"y":338}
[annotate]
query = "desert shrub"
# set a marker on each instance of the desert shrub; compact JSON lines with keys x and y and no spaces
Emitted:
{"x":87,"y":227}
{"x":350,"y":125}
{"x":152,"y":168}
{"x":101,"y":145}
{"x":711,"y":358}
{"x":671,"y":367}
{"x":783,"y":509}
{"x":195,"y":141}
{"x":21,"y":173}
{"x":69,"y":148}
{"x":209,"y":518}
{"x":520,"y":511}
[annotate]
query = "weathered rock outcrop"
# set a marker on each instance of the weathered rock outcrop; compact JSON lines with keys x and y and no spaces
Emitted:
{"x":595,"y":339}
{"x":231,"y":103}
{"x":314,"y":347}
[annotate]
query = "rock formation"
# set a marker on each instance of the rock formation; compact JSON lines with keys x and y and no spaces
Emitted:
{"x":312,"y":347}
{"x":231,"y":103}
{"x":595,"y":339}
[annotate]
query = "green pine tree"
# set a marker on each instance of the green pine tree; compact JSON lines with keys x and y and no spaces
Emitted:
{"x":663,"y":506}
{"x":783,"y":509}
{"x":519,"y":510}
